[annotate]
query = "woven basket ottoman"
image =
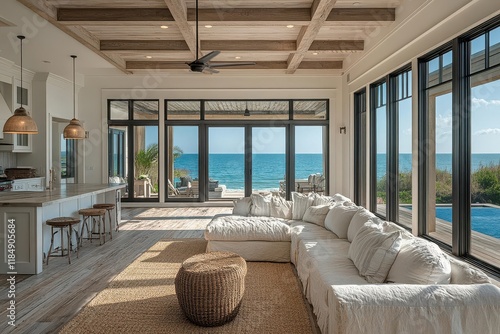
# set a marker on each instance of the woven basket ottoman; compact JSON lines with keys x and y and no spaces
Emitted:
{"x":210,"y":287}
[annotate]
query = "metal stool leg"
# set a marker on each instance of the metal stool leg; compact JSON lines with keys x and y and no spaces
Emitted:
{"x":51,"y":243}
{"x":110,"y":224}
{"x":69,"y":243}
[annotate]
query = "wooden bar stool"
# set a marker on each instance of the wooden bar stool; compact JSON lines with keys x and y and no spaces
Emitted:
{"x":108,"y":207}
{"x":94,"y":217}
{"x":61,"y":223}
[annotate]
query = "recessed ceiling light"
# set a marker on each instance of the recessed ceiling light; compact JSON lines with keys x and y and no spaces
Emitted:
{"x":237,"y":57}
{"x":356,"y":3}
{"x":149,"y":57}
{"x":315,"y":53}
{"x":290,"y":26}
{"x":208,"y":26}
{"x":164,"y":27}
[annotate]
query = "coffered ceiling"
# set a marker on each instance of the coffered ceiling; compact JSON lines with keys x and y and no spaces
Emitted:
{"x":285,"y":36}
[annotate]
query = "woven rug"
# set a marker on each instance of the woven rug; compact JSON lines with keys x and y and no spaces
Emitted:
{"x":141,"y":299}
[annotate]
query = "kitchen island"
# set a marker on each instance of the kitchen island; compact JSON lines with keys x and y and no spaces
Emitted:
{"x":25,"y":213}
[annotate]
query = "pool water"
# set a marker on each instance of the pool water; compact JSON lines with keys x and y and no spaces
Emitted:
{"x":484,"y":219}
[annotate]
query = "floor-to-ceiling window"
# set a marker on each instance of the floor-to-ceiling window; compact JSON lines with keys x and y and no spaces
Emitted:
{"x":360,"y":130}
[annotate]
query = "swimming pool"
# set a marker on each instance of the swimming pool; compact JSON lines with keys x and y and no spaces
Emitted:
{"x":484,"y":219}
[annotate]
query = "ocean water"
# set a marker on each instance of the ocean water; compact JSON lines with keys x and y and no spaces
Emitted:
{"x":443,"y":162}
{"x":268,"y":169}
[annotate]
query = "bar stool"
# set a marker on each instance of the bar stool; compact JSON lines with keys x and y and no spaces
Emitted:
{"x":108,"y":207}
{"x":61,"y":223}
{"x":94,"y":217}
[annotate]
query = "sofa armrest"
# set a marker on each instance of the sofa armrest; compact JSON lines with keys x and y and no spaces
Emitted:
{"x":394,"y":308}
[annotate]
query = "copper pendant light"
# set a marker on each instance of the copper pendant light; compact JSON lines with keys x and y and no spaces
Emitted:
{"x":74,"y":130}
{"x":20,"y":122}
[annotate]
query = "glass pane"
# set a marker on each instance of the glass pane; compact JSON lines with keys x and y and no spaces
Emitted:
{"x":310,"y":148}
{"x":433,"y":72}
{"x":381,"y":158}
{"x":310,"y":109}
{"x":146,"y":161}
{"x":477,"y":52}
{"x":269,"y":160}
{"x":447,"y":73}
{"x":118,"y":156}
{"x":495,"y":47}
{"x":485,"y":169}
{"x":118,"y":110}
{"x":439,"y":150}
{"x":405,"y":162}
{"x":247,"y":110}
{"x":226,"y":161}
{"x":183,"y":110}
{"x":146,"y":110}
{"x":183,"y":162}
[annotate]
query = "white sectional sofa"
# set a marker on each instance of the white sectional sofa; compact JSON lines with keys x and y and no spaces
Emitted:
{"x":360,"y":275}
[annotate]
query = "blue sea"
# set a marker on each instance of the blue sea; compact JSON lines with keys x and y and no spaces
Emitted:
{"x":269,"y":169}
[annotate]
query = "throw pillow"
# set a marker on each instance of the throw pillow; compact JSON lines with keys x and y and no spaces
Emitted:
{"x":242,"y":206}
{"x":316,"y":214}
{"x":420,"y":262}
{"x":358,"y":220}
{"x":280,"y":208}
{"x":300,"y":204}
{"x":261,"y":205}
{"x":338,"y":218}
{"x":374,"y":250}
{"x":322,"y":200}
{"x":341,"y":198}
{"x":463,"y":273}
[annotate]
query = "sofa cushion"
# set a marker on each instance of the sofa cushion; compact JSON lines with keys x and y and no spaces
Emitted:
{"x":242,"y":206}
{"x":280,"y":207}
{"x":420,"y":262}
{"x":463,"y":273}
{"x":341,"y":198}
{"x":374,"y":250}
{"x":321,"y":200}
{"x":358,"y":220}
{"x":316,"y":214}
{"x":338,"y":219}
{"x":301,"y":230}
{"x":261,"y":205}
{"x":239,"y":228}
{"x":300,"y":204}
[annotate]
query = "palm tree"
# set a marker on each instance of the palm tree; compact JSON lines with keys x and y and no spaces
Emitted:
{"x":146,"y":161}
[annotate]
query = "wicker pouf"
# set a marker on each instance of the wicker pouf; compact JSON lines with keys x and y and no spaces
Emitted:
{"x":210,"y":287}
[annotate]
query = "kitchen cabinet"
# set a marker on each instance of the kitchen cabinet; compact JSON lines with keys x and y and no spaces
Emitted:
{"x":31,"y":184}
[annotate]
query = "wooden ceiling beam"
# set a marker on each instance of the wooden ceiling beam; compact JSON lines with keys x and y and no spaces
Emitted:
{"x":179,"y":12}
{"x":260,"y":65}
{"x":338,"y":45}
{"x":250,"y":14}
{"x":362,"y":14}
{"x":320,"y":10}
{"x":49,"y":13}
{"x":164,"y":45}
{"x":249,"y":45}
{"x":90,"y":15}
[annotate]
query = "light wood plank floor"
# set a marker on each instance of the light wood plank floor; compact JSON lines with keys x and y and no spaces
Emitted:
{"x":45,"y":302}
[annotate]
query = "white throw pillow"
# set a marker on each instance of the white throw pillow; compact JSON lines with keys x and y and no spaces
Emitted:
{"x":341,"y":198}
{"x":316,"y":214}
{"x":322,"y":200}
{"x":261,"y":205}
{"x":300,"y":204}
{"x":242,"y":206}
{"x":463,"y":273}
{"x":338,"y":219}
{"x":420,"y":262}
{"x":358,"y":220}
{"x":374,"y":250}
{"x":281,"y":208}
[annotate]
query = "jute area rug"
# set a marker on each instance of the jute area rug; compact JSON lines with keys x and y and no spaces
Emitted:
{"x":141,"y":299}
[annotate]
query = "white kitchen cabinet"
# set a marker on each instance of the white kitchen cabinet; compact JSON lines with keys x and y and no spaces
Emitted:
{"x":31,"y":184}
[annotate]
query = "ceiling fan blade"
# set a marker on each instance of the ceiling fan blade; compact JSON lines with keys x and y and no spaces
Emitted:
{"x":209,"y":70}
{"x":206,"y":58}
{"x":232,"y":64}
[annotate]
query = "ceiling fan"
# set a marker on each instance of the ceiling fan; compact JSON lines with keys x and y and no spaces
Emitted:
{"x":203,"y":64}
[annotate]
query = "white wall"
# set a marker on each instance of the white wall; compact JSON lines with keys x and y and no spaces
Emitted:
{"x":97,"y":90}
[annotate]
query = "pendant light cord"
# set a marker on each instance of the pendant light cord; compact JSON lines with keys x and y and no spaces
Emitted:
{"x":21,"y":38}
{"x":74,"y":90}
{"x":196,"y":29}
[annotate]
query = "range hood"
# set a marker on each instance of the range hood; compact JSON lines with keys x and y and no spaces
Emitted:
{"x":5,"y":113}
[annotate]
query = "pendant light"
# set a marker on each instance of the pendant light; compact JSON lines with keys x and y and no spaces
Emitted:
{"x":74,"y":130}
{"x":20,"y":122}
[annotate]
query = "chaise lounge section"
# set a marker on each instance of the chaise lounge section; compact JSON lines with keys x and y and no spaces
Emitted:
{"x":360,"y":274}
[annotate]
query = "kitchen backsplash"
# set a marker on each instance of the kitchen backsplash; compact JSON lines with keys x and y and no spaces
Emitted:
{"x":8,"y":160}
